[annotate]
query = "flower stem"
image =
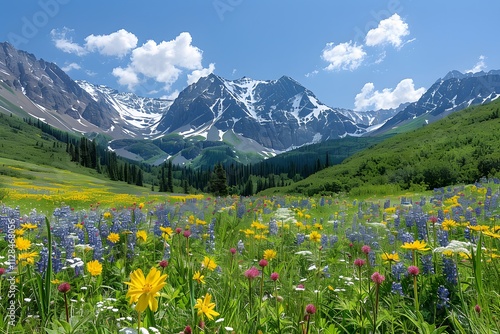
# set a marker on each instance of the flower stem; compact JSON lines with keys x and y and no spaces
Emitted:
{"x":415,"y":292}
{"x":66,"y":306}
{"x":376,"y":307}
{"x":138,"y":322}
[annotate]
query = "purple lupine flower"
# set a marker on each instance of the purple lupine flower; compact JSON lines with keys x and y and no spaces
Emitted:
{"x":443,"y":297}
{"x":300,"y":239}
{"x":397,"y":288}
{"x":427,"y":264}
{"x":450,"y":270}
{"x":273,"y":227}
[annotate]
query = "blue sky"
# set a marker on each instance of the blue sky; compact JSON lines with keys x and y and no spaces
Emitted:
{"x":356,"y":54}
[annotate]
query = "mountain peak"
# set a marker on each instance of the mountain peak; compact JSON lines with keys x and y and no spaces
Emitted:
{"x":454,"y":75}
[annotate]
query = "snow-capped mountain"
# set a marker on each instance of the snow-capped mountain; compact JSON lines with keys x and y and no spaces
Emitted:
{"x":245,"y":115}
{"x":455,"y":91}
{"x":139,"y":115}
{"x":277,"y":114}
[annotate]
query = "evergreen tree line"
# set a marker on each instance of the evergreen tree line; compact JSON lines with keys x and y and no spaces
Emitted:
{"x":230,"y":178}
{"x":88,"y":153}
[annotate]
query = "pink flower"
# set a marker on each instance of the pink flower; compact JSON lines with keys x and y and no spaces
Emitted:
{"x":252,"y":273}
{"x":178,"y":230}
{"x":275,"y":276}
{"x":187,"y":330}
{"x":233,"y":250}
{"x":300,"y":287}
{"x":366,"y":249}
{"x":187,"y":233}
{"x":163,"y":263}
{"x":413,"y":270}
{"x":377,"y":278}
{"x":359,"y":262}
{"x":310,"y":309}
{"x":477,"y":308}
{"x":2,"y":271}
{"x":64,"y":287}
{"x":263,"y":263}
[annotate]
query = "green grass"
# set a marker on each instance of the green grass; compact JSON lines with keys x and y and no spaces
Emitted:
{"x":460,"y":148}
{"x":31,"y":186}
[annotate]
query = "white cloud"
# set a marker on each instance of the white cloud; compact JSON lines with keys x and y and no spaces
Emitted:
{"x":171,"y":96}
{"x":311,"y":74}
{"x":163,"y":62}
{"x":117,"y":44}
{"x":126,"y":77}
{"x":197,"y":74}
{"x":66,"y":44}
{"x":69,"y":67}
{"x":480,"y":65}
{"x":389,"y":31}
{"x":388,"y":98}
{"x":345,"y":56}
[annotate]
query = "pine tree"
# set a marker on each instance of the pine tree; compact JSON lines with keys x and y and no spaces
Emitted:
{"x":218,"y":181}
{"x":138,"y":179}
{"x":170,"y":180}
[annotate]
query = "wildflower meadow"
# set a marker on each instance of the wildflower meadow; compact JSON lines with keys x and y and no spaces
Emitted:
{"x":418,"y":263}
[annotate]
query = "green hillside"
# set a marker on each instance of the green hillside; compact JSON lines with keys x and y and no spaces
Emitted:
{"x":23,"y":142}
{"x":461,"y":148}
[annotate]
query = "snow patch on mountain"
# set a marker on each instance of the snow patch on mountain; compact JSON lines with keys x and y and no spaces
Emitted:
{"x":140,"y":113}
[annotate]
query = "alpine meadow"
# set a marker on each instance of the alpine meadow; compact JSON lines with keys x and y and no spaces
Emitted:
{"x":186,"y":168}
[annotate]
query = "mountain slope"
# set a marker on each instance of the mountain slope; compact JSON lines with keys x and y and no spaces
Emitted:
{"x":456,"y":91}
{"x":461,"y":148}
{"x":138,"y":115}
{"x":34,"y":87}
{"x":277,"y":114}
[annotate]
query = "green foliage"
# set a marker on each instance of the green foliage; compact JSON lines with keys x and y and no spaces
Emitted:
{"x":218,"y":181}
{"x":460,"y":148}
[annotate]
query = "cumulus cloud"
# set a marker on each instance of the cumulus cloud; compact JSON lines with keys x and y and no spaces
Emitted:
{"x":345,"y":56}
{"x":126,"y":77}
{"x":65,"y":43}
{"x":389,"y":31}
{"x":480,"y":65}
{"x":197,"y":74}
{"x":162,"y":62}
{"x":388,"y":98}
{"x":117,"y":44}
{"x":69,"y":67}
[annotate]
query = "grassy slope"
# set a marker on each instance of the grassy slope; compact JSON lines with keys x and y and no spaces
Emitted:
{"x":33,"y":163}
{"x":451,"y":150}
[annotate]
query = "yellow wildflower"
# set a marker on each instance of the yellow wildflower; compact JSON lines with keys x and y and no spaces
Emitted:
{"x":209,"y":263}
{"x":28,"y":257}
{"x":205,"y":307}
{"x":143,"y":290}
{"x":448,"y":224}
{"x":142,"y":235}
{"x":390,"y":257}
{"x":417,"y":245}
{"x":29,"y":226}
{"x":22,"y":244}
{"x":269,"y":254}
{"x":198,"y":277}
{"x":113,"y":237}
{"x":94,"y":268}
{"x":314,"y":236}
